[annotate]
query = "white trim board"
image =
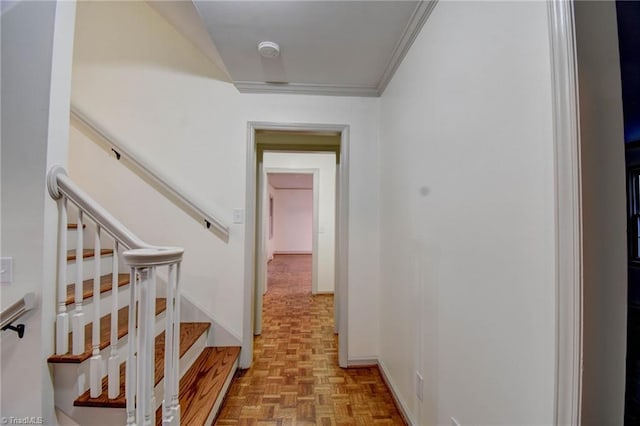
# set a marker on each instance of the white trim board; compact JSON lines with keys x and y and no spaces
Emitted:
{"x":219,"y":333}
{"x":419,"y":16}
{"x":305,"y":89}
{"x":414,"y":26}
{"x":215,"y":410}
{"x":292,"y":252}
{"x":568,"y":226}
{"x":342,"y":234}
{"x":400,"y":403}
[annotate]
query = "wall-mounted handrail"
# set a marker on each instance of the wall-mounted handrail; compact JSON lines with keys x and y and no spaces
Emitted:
{"x":209,"y":220}
{"x":15,"y":311}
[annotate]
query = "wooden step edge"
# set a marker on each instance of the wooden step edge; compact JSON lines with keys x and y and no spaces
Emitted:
{"x":190,"y":332}
{"x":105,"y":334}
{"x":87,"y":253}
{"x":202,"y":384}
{"x":87,"y":287}
{"x":75,"y":226}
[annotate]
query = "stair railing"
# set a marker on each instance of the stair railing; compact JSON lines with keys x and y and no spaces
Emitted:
{"x":144,"y":261}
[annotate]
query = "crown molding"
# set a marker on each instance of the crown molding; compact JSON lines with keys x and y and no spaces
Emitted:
{"x":305,"y":89}
{"x":418,"y":18}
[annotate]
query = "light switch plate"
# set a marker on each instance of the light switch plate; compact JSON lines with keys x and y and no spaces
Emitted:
{"x":6,"y":270}
{"x":419,"y":386}
{"x":238,"y":215}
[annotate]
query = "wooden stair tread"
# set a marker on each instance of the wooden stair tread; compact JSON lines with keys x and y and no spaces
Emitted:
{"x":105,"y":334}
{"x":87,"y":286}
{"x":189,"y":333}
{"x":87,"y":253}
{"x":202,"y":383}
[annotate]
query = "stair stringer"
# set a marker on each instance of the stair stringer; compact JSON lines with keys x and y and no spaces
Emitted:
{"x":219,"y":335}
{"x":225,"y":389}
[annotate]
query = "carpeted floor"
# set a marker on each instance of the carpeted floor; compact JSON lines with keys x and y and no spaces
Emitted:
{"x":295,"y":378}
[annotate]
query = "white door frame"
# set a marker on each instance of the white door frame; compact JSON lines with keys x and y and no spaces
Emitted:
{"x":568,"y":223}
{"x":342,"y":235}
{"x":261,"y":232}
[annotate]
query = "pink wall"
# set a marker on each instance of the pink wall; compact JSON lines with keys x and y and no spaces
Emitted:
{"x":293,"y":220}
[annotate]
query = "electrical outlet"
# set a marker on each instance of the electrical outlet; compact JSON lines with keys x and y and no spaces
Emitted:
{"x":454,"y":422}
{"x":6,"y":270}
{"x":419,"y":386}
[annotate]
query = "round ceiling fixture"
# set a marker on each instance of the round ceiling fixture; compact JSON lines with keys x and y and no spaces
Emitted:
{"x":269,"y":49}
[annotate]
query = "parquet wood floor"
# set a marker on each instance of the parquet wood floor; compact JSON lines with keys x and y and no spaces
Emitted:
{"x":295,"y":378}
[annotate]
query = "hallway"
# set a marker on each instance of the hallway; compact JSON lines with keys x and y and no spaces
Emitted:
{"x":295,"y":378}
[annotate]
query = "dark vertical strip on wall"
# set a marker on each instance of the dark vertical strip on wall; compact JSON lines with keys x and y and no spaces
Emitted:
{"x":628,"y":17}
{"x":629,"y":41}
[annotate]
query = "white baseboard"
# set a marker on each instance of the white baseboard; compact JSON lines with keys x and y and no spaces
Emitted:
{"x":362,"y":362}
{"x":292,"y":252}
{"x":400,"y":403}
{"x":64,"y":420}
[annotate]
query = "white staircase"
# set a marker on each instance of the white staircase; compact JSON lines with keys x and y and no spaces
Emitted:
{"x":122,"y":354}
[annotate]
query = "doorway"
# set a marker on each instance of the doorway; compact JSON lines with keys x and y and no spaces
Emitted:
{"x":288,"y":211}
{"x":290,"y":205}
{"x":298,"y":138}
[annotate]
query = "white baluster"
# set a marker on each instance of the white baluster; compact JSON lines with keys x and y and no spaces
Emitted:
{"x":62,"y":319}
{"x":131,"y":378}
{"x":167,"y":414}
{"x":175,"y":402}
{"x":77,"y":319}
{"x":150,"y":409}
{"x":143,"y":306}
{"x":114,"y":358}
{"x":95,"y":364}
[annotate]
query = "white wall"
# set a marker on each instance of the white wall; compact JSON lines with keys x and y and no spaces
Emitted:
{"x":37,"y":40}
{"x":467,"y":218}
{"x":141,"y":80}
{"x":604,"y":219}
{"x":293,"y":216}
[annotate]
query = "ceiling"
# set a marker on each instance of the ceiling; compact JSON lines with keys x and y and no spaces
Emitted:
{"x":290,"y":180}
{"x":330,"y":47}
